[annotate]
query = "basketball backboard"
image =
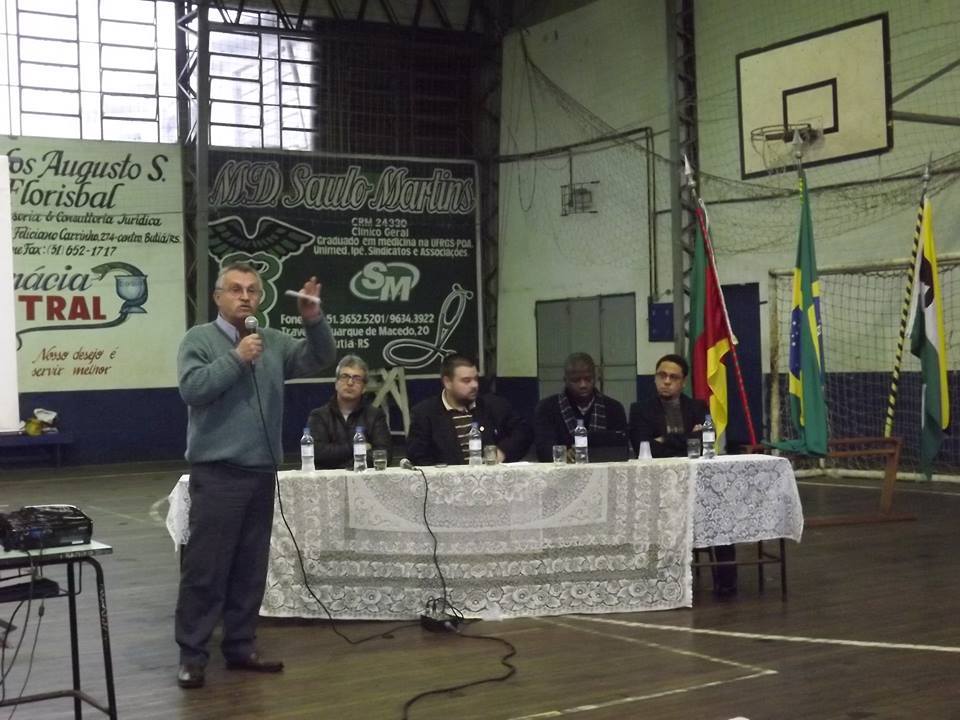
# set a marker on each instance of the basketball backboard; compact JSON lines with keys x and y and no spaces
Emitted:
{"x":836,"y":81}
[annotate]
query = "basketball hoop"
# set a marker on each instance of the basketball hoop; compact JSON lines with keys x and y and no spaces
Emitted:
{"x":778,"y":144}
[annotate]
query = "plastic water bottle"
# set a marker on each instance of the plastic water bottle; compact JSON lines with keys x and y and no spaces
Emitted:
{"x":709,"y":438}
{"x":581,"y":452}
{"x":474,"y":445}
{"x":359,"y":450}
{"x":306,"y":451}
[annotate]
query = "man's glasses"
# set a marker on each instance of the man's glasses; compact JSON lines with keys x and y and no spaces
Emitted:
{"x":664,"y":376}
{"x":348,"y":378}
{"x":237,"y":291}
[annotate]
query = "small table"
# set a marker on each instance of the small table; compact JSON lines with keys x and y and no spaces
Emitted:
{"x":52,"y":441}
{"x":70,"y":556}
{"x":747,"y":498}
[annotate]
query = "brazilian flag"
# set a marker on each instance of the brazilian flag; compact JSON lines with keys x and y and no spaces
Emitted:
{"x":808,"y":408}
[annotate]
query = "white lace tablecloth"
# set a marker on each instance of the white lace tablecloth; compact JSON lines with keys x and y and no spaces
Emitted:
{"x":513,"y":540}
{"x":745,"y":498}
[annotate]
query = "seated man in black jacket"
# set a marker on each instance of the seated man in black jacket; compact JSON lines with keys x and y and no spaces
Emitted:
{"x":556,"y":416}
{"x":333,"y":425}
{"x":666,"y":421}
{"x":439,"y":425}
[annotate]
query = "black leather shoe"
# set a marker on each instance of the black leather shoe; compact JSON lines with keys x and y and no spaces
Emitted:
{"x":190,"y":676}
{"x":254,"y":663}
{"x":725,"y":592}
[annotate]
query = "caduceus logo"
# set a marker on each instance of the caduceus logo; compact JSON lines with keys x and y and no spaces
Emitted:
{"x":130,"y":285}
{"x":264,"y":248}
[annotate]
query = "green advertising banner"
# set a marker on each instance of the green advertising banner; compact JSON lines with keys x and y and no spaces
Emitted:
{"x":98,"y":263}
{"x":392,"y":240}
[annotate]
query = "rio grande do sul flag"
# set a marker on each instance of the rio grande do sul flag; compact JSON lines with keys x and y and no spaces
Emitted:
{"x":927,"y":342}
{"x":709,"y":335}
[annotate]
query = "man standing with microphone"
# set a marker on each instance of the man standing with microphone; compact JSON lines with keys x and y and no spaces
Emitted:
{"x":232,"y":382}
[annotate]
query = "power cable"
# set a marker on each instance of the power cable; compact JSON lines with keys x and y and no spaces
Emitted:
{"x":456,"y":618}
{"x":387,"y":634}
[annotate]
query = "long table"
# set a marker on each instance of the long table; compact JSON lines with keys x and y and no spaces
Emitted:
{"x":513,"y":540}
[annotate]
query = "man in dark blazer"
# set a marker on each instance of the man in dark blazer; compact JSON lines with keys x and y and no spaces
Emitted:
{"x":439,"y":425}
{"x":556,"y":415}
{"x":666,"y":421}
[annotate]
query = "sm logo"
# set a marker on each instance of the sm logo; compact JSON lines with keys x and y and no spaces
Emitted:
{"x":385,"y":281}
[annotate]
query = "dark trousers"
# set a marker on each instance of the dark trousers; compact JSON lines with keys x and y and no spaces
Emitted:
{"x":224,"y":564}
{"x":725,"y":576}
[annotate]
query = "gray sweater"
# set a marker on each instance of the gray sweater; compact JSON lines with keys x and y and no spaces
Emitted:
{"x":224,"y":418}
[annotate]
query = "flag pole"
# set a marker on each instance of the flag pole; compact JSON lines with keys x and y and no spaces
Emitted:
{"x":905,"y":309}
{"x":701,"y":215}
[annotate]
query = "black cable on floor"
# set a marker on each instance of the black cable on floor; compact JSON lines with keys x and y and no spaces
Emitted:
{"x":33,"y":652}
{"x":451,"y":610}
{"x":386,"y":634}
{"x":5,"y":671}
{"x":444,"y":601}
{"x":504,"y":660}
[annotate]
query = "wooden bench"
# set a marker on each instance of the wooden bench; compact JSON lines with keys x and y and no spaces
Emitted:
{"x":848,"y":447}
{"x":49,"y":442}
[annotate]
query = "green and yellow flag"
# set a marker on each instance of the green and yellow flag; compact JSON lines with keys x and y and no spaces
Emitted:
{"x":927,"y":342}
{"x":808,"y":408}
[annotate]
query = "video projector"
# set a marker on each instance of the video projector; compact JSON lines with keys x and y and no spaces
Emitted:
{"x":43,"y":526}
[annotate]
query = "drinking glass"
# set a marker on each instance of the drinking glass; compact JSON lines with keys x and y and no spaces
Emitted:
{"x":489,"y":454}
{"x":693,"y":447}
{"x":379,"y":459}
{"x":559,"y":454}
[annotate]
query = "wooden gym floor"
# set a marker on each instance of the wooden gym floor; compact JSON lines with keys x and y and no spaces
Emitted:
{"x":869,"y":630}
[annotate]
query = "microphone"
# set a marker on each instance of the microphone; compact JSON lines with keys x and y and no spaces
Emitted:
{"x":406,"y":464}
{"x":251,"y":324}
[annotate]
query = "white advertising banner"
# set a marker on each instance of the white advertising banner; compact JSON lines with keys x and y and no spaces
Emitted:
{"x":98,"y":274}
{"x":9,"y":399}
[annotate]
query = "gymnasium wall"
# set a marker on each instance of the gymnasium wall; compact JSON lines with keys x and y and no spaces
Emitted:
{"x":610,"y":57}
{"x":600,"y":69}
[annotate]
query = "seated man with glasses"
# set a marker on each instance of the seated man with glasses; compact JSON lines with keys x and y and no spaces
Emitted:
{"x":666,"y":422}
{"x":333,"y":425}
